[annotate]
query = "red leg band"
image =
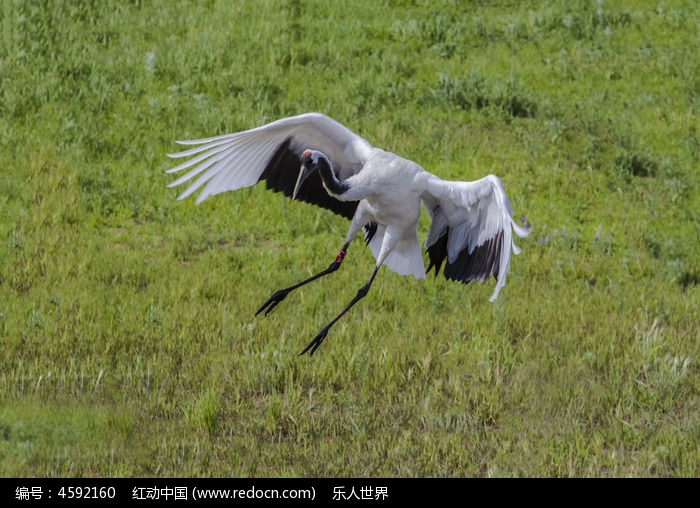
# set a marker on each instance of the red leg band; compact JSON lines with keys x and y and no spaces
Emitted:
{"x":341,"y":255}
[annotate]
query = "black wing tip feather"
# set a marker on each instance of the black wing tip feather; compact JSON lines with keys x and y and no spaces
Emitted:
{"x":437,"y":254}
{"x":480,"y":264}
{"x":281,"y":174}
{"x":370,"y":230}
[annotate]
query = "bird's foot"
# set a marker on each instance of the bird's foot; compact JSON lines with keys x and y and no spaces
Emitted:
{"x":315,"y":342}
{"x":272,"y":302}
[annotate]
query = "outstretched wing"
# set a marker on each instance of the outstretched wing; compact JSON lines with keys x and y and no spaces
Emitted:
{"x":471,"y":226}
{"x":272,"y":153}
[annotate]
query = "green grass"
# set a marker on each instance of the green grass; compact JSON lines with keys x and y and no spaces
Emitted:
{"x":129,"y":344}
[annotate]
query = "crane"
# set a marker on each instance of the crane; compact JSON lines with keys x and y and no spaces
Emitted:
{"x":315,"y":159}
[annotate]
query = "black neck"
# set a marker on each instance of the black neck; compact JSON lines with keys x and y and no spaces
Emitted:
{"x":330,"y":181}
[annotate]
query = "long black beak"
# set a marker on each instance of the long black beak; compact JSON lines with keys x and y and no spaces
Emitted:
{"x":304,"y":172}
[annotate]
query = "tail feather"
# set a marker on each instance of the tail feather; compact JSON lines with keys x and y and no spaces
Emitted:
{"x":405,"y":259}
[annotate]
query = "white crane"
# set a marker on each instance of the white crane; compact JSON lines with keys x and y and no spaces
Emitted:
{"x":315,"y":159}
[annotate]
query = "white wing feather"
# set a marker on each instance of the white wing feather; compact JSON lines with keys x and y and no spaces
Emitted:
{"x":237,"y":160}
{"x":474,"y":212}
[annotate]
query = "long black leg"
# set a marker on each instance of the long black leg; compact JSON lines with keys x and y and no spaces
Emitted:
{"x":281,"y":294}
{"x":361,"y":293}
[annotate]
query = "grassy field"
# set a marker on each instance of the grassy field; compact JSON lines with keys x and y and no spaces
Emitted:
{"x":127,"y":328}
